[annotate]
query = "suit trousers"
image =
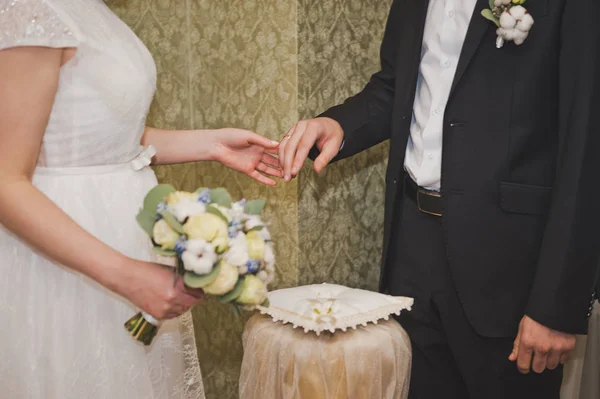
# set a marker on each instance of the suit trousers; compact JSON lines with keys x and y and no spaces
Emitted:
{"x":450,"y":360}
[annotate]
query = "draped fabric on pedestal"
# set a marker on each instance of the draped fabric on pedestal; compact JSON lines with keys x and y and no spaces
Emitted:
{"x":286,"y":363}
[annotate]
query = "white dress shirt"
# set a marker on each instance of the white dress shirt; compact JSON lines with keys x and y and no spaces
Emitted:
{"x":445,"y":30}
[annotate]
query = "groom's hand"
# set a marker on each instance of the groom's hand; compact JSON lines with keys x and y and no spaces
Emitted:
{"x":539,"y":348}
{"x":294,"y":147}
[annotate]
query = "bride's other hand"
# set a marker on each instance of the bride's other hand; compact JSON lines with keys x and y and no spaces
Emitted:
{"x":248,"y":153}
{"x":150,"y":287}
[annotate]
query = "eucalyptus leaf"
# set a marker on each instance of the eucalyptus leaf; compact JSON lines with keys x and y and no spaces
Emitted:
{"x":220,"y":196}
{"x":156,"y":196}
{"x":488,"y":14}
{"x":234,"y":293}
{"x":492,"y":5}
{"x":164,"y":252}
{"x":257,"y":228}
{"x":254,"y":207}
{"x":215,"y":211}
{"x":172,"y":221}
{"x":194,"y":280}
{"x":146,"y":220}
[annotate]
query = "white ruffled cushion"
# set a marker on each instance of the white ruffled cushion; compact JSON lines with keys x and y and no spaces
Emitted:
{"x":330,"y":307}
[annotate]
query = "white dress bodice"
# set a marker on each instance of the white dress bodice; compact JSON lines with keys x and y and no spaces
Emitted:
{"x":104,"y":92}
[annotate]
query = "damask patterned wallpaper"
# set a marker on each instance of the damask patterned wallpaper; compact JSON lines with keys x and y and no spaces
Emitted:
{"x":261,"y":65}
{"x":340,"y":213}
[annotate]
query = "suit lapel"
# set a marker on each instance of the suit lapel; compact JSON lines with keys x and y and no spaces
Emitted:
{"x":477,"y":28}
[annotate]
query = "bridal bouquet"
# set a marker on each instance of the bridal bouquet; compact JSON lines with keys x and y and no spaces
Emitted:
{"x":220,"y":246}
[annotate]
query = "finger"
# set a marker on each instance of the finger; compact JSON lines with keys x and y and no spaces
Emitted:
{"x":515,"y":351}
{"x":329,"y":151}
{"x":270,"y":160}
{"x":306,"y":144}
{"x":564,"y":358}
{"x":256,"y":175}
{"x":540,"y":360}
{"x":281,"y":148}
{"x":524,"y":358}
{"x":291,"y":147}
{"x":553,"y":360}
{"x":257,"y":139}
{"x":269,"y":170}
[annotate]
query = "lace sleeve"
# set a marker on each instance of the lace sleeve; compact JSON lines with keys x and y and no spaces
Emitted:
{"x":33,"y":23}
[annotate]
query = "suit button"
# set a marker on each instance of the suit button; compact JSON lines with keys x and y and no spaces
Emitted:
{"x":395,"y":181}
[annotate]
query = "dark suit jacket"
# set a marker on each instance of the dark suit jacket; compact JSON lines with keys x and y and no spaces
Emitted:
{"x":521,"y":159}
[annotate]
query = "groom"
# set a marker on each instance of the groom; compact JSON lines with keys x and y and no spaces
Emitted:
{"x":493,"y":200}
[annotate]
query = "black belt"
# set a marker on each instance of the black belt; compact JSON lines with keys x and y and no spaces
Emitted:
{"x":427,"y":201}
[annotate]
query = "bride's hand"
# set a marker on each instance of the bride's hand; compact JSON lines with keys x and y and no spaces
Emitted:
{"x":247,"y":152}
{"x":150,"y":287}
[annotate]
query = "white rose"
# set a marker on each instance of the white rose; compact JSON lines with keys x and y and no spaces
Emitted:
{"x":237,"y":255}
{"x":205,"y":226}
{"x":185,"y":208}
{"x":220,"y":244}
{"x":256,"y":245}
{"x":254,"y":291}
{"x":225,"y":281}
{"x":164,"y":235}
{"x":199,"y":257}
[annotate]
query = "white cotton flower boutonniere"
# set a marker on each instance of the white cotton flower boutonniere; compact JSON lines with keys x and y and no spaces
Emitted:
{"x":511,"y":18}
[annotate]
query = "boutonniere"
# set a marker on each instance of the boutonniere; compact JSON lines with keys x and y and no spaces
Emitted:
{"x":511,"y":18}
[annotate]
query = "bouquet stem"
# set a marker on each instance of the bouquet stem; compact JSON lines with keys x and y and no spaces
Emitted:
{"x":141,"y":329}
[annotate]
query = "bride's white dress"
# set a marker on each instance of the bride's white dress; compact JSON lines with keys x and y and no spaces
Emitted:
{"x":62,"y":335}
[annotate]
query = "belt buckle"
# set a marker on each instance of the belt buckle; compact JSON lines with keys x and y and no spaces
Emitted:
{"x":420,"y":192}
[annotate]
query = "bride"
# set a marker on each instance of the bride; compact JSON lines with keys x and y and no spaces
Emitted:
{"x":74,"y":149}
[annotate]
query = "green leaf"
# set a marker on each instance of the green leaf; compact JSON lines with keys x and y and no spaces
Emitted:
{"x":492,"y":5}
{"x":194,"y":280}
{"x":220,"y":196}
{"x":164,"y":252}
{"x":234,"y":293}
{"x":254,"y":207}
{"x":201,"y":189}
{"x":487,"y":14}
{"x":256,"y":228}
{"x":215,"y":211}
{"x":179,"y":269}
{"x":156,"y":196}
{"x":172,"y":221}
{"x":146,"y":220}
{"x":266,"y":303}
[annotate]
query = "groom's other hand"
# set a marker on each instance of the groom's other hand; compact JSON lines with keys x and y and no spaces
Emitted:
{"x":325,"y":133}
{"x":539,"y":348}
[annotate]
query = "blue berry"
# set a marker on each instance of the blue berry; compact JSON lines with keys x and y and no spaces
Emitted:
{"x":204,"y":196}
{"x":253,"y":265}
